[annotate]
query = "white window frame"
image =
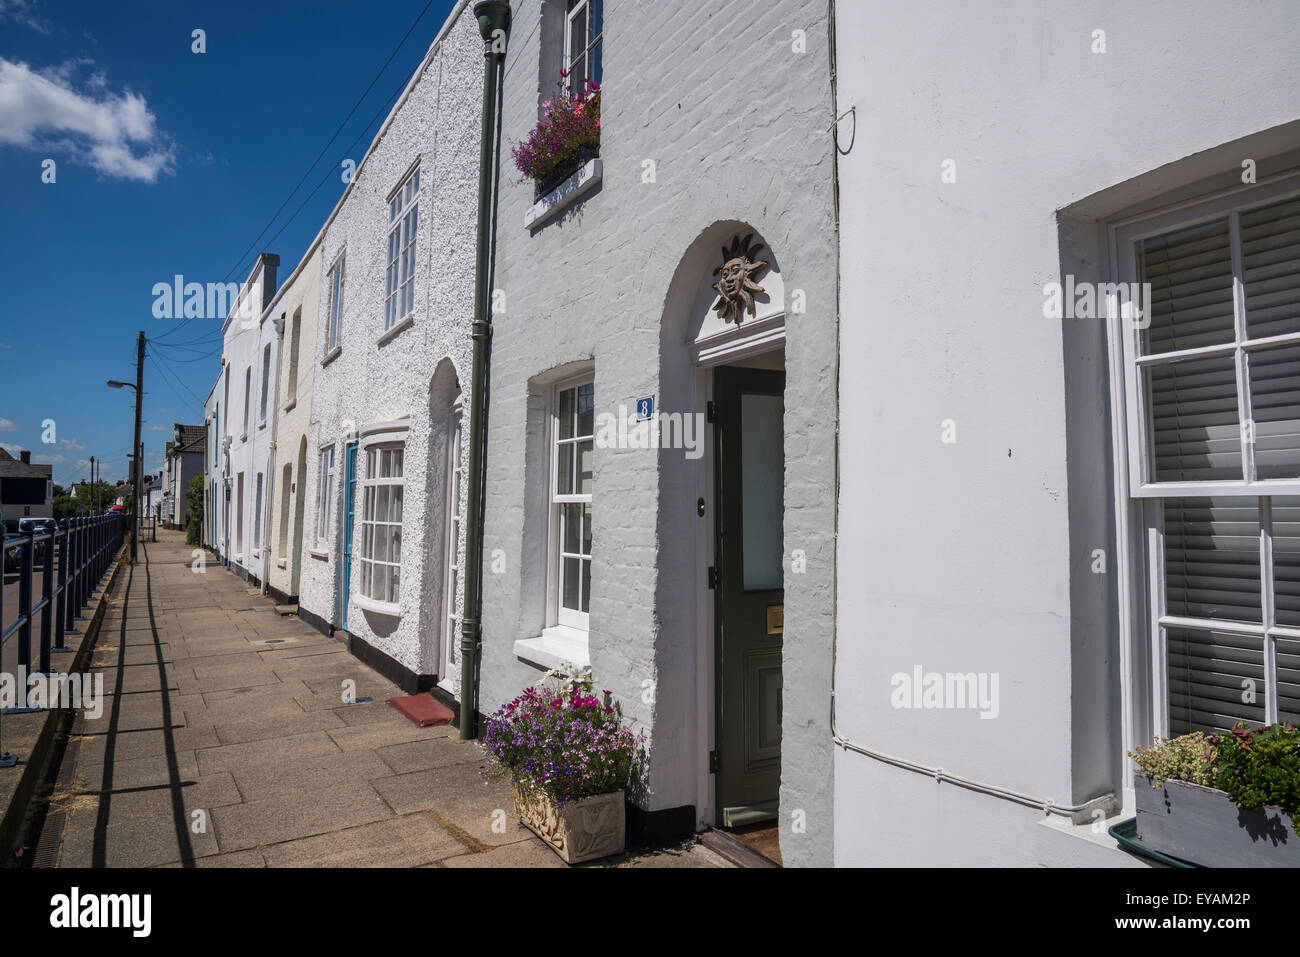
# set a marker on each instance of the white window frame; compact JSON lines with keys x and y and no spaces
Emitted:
{"x":365,"y":562}
{"x":338,"y":289}
{"x":266,"y":384}
{"x":1139,"y":499}
{"x":399,"y":257}
{"x":581,"y":8}
{"x":324,"y":494}
{"x":558,"y":614}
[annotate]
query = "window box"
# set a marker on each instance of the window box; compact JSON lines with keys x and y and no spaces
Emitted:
{"x":563,"y":171}
{"x":566,"y":193}
{"x":1203,"y":826}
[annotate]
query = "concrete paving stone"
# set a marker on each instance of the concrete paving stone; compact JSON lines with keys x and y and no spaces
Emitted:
{"x":115,"y":654}
{"x":230,"y":682}
{"x":143,"y":744}
{"x":368,"y":712}
{"x":287,"y":817}
{"x":140,"y":678}
{"x":307,"y":774}
{"x":227,"y":665}
{"x":336,"y":659}
{"x":519,"y":854}
{"x":689,"y":853}
{"x":380,"y":735}
{"x":139,"y":772}
{"x":432,"y":753}
{"x":269,"y":751}
{"x":255,"y":697}
{"x":399,"y":842}
{"x":241,"y":859}
{"x":277,"y":726}
{"x":374,"y":688}
{"x":464,"y":799}
{"x":143,"y":832}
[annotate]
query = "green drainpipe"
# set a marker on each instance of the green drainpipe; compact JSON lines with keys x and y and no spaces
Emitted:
{"x":493,"y":21}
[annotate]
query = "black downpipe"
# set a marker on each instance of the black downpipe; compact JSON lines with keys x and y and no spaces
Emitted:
{"x":493,"y":22}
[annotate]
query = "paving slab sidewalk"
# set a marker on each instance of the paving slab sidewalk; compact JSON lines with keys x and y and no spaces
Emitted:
{"x":225,"y":741}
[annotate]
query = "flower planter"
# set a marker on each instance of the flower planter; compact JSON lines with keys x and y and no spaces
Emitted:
{"x":1203,"y":826}
{"x":563,"y":171}
{"x":581,"y":830}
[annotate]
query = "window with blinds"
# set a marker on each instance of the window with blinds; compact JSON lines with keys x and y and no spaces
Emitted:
{"x":1218,"y":373}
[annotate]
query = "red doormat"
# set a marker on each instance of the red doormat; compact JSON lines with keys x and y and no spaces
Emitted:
{"x":423,"y":709}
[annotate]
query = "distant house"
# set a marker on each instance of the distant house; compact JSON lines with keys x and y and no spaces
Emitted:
{"x":183,"y":459}
{"x":26,"y":490}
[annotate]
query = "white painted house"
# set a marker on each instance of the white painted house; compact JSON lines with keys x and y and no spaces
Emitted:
{"x":246,"y":383}
{"x":1093,"y":519}
{"x":293,"y":311}
{"x":391,"y":359}
{"x":692,"y":572}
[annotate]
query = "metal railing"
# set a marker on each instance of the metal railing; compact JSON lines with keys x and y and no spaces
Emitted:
{"x":85,"y":548}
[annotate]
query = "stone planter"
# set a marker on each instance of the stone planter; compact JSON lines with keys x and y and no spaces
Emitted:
{"x":1203,"y":826}
{"x":578,"y":831}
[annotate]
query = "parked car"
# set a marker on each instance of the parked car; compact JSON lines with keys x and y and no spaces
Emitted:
{"x":37,"y":526}
{"x":13,"y":556}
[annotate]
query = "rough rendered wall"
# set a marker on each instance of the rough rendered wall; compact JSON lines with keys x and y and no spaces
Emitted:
{"x":302,"y":293}
{"x":370,"y":383}
{"x":737,"y":125}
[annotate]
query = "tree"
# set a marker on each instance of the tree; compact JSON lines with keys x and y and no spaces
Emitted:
{"x":194,"y":522}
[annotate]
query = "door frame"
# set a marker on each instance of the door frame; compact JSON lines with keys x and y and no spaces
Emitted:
{"x":346,"y":542}
{"x":760,"y":342}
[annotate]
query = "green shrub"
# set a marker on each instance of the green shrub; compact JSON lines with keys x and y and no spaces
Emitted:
{"x":1186,"y":758}
{"x":1259,"y":766}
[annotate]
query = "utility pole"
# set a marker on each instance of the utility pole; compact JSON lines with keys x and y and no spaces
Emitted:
{"x":139,"y":464}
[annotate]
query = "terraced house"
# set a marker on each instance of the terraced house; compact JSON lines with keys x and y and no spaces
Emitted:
{"x":390,"y":361}
{"x":882,"y":461}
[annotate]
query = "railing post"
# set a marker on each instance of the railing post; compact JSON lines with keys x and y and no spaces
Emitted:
{"x":47,"y":596}
{"x":61,"y":595}
{"x":24,"y":629}
{"x":79,"y":563}
{"x":7,"y":758}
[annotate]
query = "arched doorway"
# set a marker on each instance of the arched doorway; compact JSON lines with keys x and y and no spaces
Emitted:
{"x":721,"y":519}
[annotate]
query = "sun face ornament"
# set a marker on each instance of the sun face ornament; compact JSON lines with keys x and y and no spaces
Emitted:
{"x":736,"y":287}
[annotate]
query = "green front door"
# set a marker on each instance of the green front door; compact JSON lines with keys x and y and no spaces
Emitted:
{"x":749,"y":471}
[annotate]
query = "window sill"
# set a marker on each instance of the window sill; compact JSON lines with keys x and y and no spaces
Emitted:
{"x":391,"y":609}
{"x":243,"y":436}
{"x":554,"y":647}
{"x":290,"y":405}
{"x":564,"y":195}
{"x":261,"y":425}
{"x":281,"y":563}
{"x":320,"y":553}
{"x":397,"y":329}
{"x":331,"y":356}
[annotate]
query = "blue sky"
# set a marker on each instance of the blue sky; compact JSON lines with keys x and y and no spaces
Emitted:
{"x":166,"y":161}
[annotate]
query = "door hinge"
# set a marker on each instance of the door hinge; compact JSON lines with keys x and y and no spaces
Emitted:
{"x":714,"y":577}
{"x":715,"y":762}
{"x":711,"y":411}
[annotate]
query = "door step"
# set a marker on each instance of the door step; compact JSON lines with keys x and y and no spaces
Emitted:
{"x":723,"y":844}
{"x":423,"y":710}
{"x":285,"y":610}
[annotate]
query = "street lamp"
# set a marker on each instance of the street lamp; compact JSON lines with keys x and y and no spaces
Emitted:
{"x":135,"y":447}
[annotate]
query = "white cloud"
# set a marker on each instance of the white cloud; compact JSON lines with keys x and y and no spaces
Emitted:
{"x":7,"y":426}
{"x":71,"y":445}
{"x":22,"y":12}
{"x":115,"y":133}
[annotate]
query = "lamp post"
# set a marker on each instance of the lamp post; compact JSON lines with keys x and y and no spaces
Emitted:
{"x":135,"y":446}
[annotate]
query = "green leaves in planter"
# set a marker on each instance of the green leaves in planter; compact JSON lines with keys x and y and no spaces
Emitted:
{"x":1259,"y":766}
{"x":1185,"y":758}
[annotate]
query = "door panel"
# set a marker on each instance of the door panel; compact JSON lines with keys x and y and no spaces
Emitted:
{"x":749,"y":475}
